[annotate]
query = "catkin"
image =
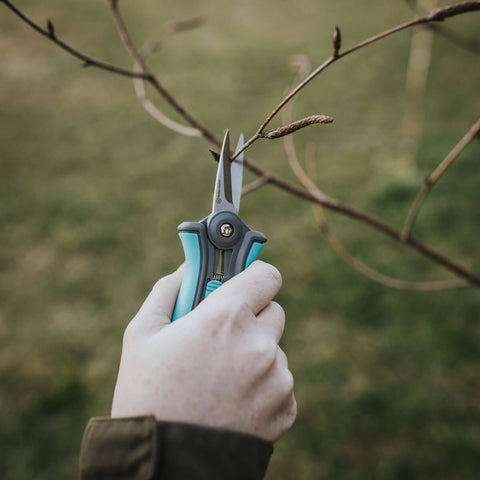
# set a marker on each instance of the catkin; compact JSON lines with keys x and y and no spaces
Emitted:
{"x":293,"y":127}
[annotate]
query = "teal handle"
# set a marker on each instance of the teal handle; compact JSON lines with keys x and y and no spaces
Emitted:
{"x":193,"y":267}
{"x":253,"y":253}
{"x":186,"y":296}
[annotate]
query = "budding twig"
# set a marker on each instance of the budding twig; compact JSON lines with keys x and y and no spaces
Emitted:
{"x":437,"y":15}
{"x":50,"y":34}
{"x":280,"y":183}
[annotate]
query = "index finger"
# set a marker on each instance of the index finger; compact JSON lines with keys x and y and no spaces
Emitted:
{"x":256,"y":286}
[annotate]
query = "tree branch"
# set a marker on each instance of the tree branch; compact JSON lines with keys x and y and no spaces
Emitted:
{"x":255,"y":185}
{"x":436,"y":15}
{"x":49,"y":33}
{"x":433,"y":178}
{"x":314,"y":197}
{"x":153,"y":80}
{"x":310,"y":183}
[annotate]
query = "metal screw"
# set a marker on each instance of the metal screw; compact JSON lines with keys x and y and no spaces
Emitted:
{"x":226,"y":230}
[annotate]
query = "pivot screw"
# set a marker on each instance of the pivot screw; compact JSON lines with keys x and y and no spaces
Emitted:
{"x":226,"y":230}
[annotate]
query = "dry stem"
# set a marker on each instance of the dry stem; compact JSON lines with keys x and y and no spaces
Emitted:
{"x":310,"y":183}
{"x":435,"y":16}
{"x":49,"y":33}
{"x":433,"y":178}
{"x":313,"y":197}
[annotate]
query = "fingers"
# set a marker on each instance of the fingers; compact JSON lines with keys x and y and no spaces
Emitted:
{"x":156,"y":311}
{"x":272,"y":320}
{"x":256,"y":287}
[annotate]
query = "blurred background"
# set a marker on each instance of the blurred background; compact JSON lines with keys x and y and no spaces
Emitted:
{"x":92,"y":190}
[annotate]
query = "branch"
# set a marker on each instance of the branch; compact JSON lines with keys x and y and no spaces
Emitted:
{"x":327,"y":202}
{"x":310,"y":183}
{"x":375,"y":275}
{"x":148,"y":76}
{"x":433,"y":178}
{"x":436,"y":15}
{"x":468,"y":43}
{"x":255,"y":185}
{"x":157,"y":114}
{"x":89,"y":61}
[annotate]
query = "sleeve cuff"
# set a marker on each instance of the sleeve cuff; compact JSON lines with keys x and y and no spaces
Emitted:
{"x":144,"y":448}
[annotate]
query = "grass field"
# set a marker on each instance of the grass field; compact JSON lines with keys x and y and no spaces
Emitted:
{"x":92,"y":190}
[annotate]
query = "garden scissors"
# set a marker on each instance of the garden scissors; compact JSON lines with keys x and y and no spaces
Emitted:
{"x":221,"y":245}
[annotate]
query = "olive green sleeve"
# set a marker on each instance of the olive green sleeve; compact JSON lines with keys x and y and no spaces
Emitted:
{"x":141,"y":448}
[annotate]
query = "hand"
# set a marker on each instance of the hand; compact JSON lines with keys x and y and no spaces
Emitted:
{"x":218,"y":366}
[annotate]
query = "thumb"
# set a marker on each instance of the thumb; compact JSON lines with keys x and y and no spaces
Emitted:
{"x":156,"y":311}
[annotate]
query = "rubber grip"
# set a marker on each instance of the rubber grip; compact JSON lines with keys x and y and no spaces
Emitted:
{"x":253,"y":253}
{"x":186,"y":296}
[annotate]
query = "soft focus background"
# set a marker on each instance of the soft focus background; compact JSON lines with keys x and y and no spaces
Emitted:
{"x":92,"y":190}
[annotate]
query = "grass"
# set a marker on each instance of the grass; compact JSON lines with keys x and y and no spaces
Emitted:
{"x":91,"y":192}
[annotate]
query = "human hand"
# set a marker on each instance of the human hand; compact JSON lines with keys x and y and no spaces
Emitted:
{"x":218,"y":366}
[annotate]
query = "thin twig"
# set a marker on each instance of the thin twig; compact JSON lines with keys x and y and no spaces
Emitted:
{"x":327,"y":202}
{"x":255,"y":185}
{"x":414,"y":97}
{"x":437,"y":15}
{"x":139,"y":84}
{"x":157,"y":114}
{"x":433,"y":178}
{"x":310,"y":183}
{"x":89,"y":61}
{"x":375,"y":275}
{"x":471,"y":44}
{"x":154,"y":81}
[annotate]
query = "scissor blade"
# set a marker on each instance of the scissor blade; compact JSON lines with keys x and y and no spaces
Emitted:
{"x":237,"y":176}
{"x":222,"y":197}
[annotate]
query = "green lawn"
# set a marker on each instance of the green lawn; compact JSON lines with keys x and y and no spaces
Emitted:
{"x":92,"y":189}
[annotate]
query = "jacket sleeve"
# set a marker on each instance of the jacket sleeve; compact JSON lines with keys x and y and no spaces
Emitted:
{"x":142,"y":448}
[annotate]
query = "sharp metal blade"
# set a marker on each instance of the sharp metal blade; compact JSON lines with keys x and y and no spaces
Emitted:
{"x":237,"y":176}
{"x":222,"y":197}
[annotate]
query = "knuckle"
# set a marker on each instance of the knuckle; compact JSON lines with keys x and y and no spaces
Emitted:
{"x":159,"y":283}
{"x":264,"y":354}
{"x":278,"y":310}
{"x":240,"y":310}
{"x":287,"y":382}
{"x":130,"y":332}
{"x":282,"y":359}
{"x":292,"y":410}
{"x":278,"y":314}
{"x":273,"y":275}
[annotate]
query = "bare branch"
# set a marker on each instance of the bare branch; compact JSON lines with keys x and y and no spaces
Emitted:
{"x":375,"y":275}
{"x":255,"y":185}
{"x":87,"y":59}
{"x":157,"y":114}
{"x":440,"y":14}
{"x":433,"y":178}
{"x":471,"y":44}
{"x":437,"y":15}
{"x":322,"y":200}
{"x":347,"y":257}
{"x":153,"y":80}
{"x":315,"y":198}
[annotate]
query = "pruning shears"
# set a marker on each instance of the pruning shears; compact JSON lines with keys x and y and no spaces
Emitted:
{"x":220,"y":246}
